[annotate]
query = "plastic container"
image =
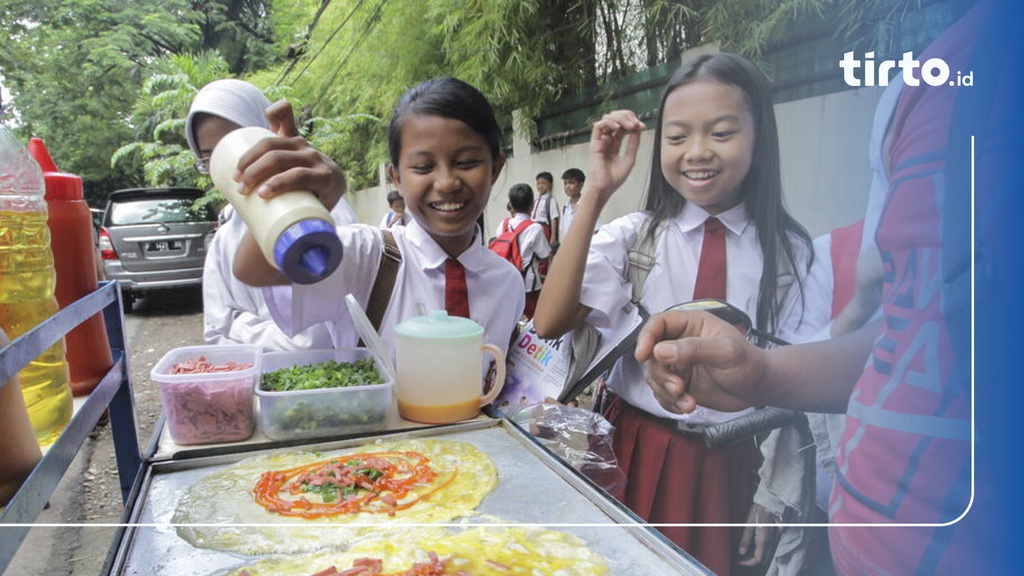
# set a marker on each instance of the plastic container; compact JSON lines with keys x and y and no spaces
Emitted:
{"x":294,"y":230}
{"x":70,"y":222}
{"x":208,"y":407}
{"x":27,"y":280}
{"x":326,"y":411}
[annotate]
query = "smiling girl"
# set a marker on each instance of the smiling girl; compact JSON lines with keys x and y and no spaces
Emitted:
{"x":445,"y":149}
{"x":715,"y":210}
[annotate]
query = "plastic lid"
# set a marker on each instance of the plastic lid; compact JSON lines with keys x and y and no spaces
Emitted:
{"x":438,"y":324}
{"x":59,"y":185}
{"x":308,"y":250}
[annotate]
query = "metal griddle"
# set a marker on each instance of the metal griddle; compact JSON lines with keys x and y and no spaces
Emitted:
{"x":534,"y":486}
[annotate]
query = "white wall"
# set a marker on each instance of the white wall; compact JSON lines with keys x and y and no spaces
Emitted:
{"x":825,"y":171}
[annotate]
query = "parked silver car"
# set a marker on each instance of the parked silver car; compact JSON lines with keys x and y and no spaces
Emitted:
{"x":155,"y":239}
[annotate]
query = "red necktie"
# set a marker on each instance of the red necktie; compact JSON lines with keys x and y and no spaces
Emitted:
{"x":456,"y":296}
{"x":711,"y":268}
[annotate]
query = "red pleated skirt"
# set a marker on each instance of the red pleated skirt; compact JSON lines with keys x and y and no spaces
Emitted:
{"x":672,"y":477}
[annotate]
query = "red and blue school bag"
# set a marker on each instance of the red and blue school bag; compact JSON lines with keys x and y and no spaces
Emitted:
{"x":507,"y":244}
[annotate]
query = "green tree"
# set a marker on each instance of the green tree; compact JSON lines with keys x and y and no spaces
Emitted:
{"x":159,"y":149}
{"x":73,"y":70}
{"x":76,"y":67}
{"x":524,"y":55}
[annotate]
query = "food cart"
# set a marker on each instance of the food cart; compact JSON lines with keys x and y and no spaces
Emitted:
{"x":535,"y":486}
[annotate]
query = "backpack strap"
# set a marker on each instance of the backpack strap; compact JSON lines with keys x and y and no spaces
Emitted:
{"x":522,"y":226}
{"x":516,"y":250}
{"x":641,"y":256}
{"x":384,"y":283}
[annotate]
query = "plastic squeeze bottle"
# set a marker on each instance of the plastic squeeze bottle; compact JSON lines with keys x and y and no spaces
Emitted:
{"x":294,"y":230}
{"x":27,"y":281}
{"x":70,"y":223}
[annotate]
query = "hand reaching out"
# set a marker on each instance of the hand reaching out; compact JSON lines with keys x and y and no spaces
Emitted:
{"x":695,"y":358}
{"x":288,"y":162}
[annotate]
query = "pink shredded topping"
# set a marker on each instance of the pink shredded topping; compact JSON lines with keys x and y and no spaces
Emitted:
{"x":201,"y":365}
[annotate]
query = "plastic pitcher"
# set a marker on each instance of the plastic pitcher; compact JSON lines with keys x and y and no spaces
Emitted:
{"x":440,"y":370}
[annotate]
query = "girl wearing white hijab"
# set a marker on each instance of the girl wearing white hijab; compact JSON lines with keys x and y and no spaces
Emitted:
{"x":234,"y":312}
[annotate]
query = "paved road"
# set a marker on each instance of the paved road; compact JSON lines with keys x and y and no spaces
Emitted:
{"x":90,"y":493}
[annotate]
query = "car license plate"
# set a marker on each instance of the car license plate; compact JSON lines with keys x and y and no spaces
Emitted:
{"x":164,"y":246}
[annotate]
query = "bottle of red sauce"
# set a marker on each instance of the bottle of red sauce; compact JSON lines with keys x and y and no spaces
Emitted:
{"x":70,"y":223}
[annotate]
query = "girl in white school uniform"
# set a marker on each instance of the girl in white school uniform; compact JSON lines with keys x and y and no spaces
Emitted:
{"x":445,"y":148}
{"x":233,"y":312}
{"x":716,"y":196}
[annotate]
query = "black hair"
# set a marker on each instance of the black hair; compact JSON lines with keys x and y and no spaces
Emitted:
{"x":520,"y":197}
{"x":546,"y":176}
{"x":448,"y":98}
{"x":761,"y":189}
{"x":394,"y":195}
{"x":574,"y":174}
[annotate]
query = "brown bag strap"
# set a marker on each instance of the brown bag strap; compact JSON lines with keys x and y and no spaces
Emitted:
{"x":384,"y":284}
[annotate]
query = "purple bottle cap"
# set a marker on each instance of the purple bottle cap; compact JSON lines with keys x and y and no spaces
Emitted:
{"x":308,"y":251}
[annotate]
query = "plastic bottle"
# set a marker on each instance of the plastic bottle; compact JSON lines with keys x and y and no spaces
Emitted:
{"x":70,"y":223}
{"x":27,"y":281}
{"x":294,"y":230}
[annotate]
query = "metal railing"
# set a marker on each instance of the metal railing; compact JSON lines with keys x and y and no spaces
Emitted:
{"x":114,"y":392}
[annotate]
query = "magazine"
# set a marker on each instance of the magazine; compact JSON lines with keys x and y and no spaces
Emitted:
{"x":561,"y":368}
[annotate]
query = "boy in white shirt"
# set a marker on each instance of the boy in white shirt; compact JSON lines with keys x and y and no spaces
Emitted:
{"x":572,"y":182}
{"x":396,"y":216}
{"x":545,"y":210}
{"x":532,"y":245}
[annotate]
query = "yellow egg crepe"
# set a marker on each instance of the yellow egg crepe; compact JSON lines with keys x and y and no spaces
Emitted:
{"x":302,"y":501}
{"x":479,"y":551}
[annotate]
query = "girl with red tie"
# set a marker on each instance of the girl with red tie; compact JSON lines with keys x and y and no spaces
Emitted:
{"x":715,"y":208}
{"x":445,"y":148}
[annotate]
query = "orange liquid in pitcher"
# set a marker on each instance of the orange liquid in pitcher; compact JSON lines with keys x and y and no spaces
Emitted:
{"x":444,"y":414}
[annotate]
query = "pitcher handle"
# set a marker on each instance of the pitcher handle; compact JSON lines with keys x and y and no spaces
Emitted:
{"x":499,"y":377}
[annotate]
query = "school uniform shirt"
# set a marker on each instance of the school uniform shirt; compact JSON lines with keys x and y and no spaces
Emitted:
{"x":496,"y":297}
{"x":389,"y":220}
{"x":532,"y":245}
{"x":236,"y":313}
{"x":568,"y":212}
{"x":545,"y":209}
{"x":671,"y":281}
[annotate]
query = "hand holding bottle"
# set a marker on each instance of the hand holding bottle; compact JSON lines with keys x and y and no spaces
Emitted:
{"x":288,"y":162}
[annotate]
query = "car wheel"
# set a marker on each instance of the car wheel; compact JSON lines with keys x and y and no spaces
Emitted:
{"x":127,"y":299}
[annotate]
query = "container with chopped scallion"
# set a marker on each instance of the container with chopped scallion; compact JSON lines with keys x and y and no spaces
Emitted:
{"x":330,"y":374}
{"x":321,"y":393}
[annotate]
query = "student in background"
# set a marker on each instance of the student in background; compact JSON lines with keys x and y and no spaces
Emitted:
{"x":572,"y":183}
{"x":396,"y":216}
{"x":234,"y":313}
{"x":715,"y":208}
{"x":545,"y":208}
{"x":445,"y":148}
{"x":531,"y":245}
